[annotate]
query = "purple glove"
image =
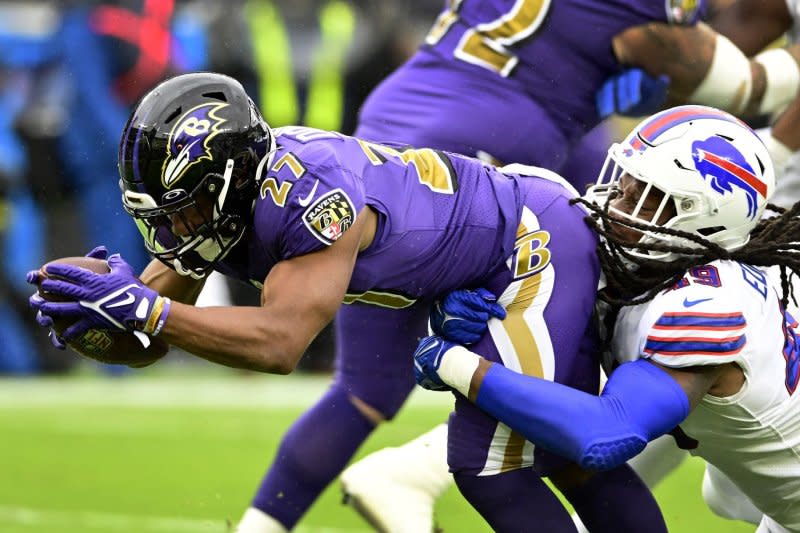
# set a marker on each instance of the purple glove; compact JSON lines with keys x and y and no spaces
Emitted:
{"x":46,"y":322}
{"x":463,"y":315}
{"x":117,"y":300}
{"x":33,"y":277}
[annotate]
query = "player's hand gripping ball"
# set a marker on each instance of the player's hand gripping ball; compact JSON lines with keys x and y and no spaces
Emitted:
{"x":113,"y":346}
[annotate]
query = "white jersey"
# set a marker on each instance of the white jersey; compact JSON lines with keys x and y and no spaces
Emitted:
{"x":727,"y":312}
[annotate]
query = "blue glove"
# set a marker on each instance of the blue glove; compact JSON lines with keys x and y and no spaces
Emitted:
{"x":463,"y":315}
{"x":34,"y":277}
{"x":427,"y":359}
{"x":632,"y":93}
{"x":117,"y":300}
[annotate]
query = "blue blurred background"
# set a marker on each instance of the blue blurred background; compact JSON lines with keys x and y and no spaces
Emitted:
{"x":70,"y":71}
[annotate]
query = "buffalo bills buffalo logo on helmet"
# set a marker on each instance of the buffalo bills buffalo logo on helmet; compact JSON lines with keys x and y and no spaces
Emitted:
{"x":188,"y":140}
{"x":725,"y":167}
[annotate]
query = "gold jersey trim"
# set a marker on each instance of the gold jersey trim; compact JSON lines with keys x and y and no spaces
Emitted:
{"x":391,"y":300}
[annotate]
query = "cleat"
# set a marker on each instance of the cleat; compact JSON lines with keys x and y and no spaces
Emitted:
{"x":395,"y":489}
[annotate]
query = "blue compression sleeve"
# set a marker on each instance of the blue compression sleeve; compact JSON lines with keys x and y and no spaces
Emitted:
{"x":640,"y":402}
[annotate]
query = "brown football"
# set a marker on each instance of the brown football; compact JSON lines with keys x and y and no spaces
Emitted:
{"x":107,"y":346}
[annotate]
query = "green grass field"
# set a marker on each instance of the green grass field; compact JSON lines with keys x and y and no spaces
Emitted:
{"x":156,"y":453}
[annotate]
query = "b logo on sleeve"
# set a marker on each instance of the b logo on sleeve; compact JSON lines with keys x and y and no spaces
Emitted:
{"x":330,"y":216}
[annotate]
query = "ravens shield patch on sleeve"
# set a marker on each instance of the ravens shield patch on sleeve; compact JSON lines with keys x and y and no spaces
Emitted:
{"x":330,"y":216}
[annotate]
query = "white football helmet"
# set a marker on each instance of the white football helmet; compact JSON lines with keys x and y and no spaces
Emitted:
{"x":710,"y":165}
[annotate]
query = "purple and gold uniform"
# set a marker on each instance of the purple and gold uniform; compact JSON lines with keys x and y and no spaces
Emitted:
{"x":515,"y":79}
{"x":444,"y":222}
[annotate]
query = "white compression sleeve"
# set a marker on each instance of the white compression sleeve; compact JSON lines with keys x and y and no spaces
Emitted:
{"x":729,"y":80}
{"x":783,"y":79}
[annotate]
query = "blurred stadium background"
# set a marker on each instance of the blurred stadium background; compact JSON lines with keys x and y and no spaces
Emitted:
{"x":181,"y":446}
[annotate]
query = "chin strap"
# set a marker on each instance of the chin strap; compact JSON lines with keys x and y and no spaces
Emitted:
{"x":183,"y":271}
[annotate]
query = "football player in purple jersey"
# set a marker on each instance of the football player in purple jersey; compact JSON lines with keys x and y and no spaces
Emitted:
{"x":315,"y":219}
{"x":518,"y":79}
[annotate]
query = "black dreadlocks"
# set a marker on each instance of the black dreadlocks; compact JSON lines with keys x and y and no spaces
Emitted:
{"x":632,"y":280}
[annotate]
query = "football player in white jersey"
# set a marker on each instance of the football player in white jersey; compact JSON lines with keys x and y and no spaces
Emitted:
{"x":751,"y":25}
{"x":702,"y":344}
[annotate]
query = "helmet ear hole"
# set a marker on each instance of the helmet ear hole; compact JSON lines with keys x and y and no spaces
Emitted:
{"x":711,"y":230}
{"x":216,"y":95}
{"x":760,"y":164}
{"x":175,"y":114}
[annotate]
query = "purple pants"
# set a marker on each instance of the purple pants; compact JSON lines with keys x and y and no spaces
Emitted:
{"x":548,"y":288}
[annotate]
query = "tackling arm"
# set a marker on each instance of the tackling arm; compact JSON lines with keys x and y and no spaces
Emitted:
{"x":641,"y":401}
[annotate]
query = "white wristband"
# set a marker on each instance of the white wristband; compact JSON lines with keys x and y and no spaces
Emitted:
{"x":728,"y":82}
{"x":457,"y":367}
{"x":783,"y":79}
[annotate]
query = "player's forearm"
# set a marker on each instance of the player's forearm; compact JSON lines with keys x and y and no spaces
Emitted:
{"x":594,"y":432}
{"x":762,"y":85}
{"x":170,"y":284}
{"x":707,"y":68}
{"x":776,"y":80}
{"x":240,"y":337}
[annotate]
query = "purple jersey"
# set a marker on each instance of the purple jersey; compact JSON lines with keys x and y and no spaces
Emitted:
{"x":514,"y":79}
{"x":445,"y":221}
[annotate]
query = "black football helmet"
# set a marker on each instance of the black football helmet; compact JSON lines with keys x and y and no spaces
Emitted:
{"x":188,"y":158}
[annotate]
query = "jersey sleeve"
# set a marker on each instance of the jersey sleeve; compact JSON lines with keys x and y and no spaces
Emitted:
{"x":322,"y":205}
{"x":682,"y":338}
{"x":714,"y":315}
{"x":696,"y":324}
